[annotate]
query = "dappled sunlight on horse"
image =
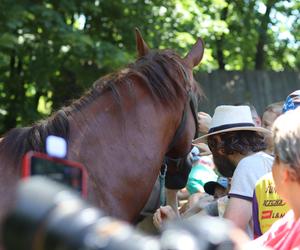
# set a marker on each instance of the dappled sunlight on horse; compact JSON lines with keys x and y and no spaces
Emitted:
{"x":121,"y":129}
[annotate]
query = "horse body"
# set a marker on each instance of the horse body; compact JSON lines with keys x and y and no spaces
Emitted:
{"x":126,"y":152}
{"x":120,"y":130}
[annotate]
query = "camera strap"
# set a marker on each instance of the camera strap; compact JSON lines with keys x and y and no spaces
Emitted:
{"x":162,"y":181}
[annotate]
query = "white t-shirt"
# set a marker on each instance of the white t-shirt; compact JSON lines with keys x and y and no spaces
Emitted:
{"x":247,"y":173}
{"x":245,"y":176}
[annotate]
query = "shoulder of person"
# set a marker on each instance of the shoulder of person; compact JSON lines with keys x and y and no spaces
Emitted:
{"x":256,"y":158}
{"x":250,"y":169}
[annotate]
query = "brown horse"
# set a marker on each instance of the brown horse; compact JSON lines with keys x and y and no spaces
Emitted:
{"x":120,"y":130}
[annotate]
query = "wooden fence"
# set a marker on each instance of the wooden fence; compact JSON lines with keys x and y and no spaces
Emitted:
{"x":259,"y":88}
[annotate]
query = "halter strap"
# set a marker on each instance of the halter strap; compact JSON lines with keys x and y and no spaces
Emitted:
{"x":191,"y":100}
{"x":179,"y":161}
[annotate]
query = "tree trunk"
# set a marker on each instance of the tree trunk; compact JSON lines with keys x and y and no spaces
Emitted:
{"x":220,"y":42}
{"x":262,"y":38}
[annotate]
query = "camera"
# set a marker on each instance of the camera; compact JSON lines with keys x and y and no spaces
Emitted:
{"x":53,"y":165}
{"x":50,"y":216}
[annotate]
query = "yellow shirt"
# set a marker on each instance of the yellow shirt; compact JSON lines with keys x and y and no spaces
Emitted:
{"x":268,"y":207}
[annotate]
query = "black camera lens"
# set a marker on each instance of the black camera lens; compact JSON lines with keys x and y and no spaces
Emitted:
{"x":36,"y":198}
{"x":49,"y":216}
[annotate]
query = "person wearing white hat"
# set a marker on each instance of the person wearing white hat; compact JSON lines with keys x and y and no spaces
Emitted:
{"x":237,"y":147}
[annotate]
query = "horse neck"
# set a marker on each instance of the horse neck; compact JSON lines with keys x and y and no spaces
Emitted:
{"x":122,"y":146}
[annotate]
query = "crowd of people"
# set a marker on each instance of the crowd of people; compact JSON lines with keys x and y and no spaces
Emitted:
{"x":253,"y":176}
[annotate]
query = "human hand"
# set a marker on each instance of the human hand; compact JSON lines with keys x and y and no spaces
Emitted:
{"x":197,"y":202}
{"x":204,"y":201}
{"x":204,"y":121}
{"x":193,"y":199}
{"x":163,"y":214}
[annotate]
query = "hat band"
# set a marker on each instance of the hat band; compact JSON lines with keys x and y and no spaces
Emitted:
{"x":234,"y":125}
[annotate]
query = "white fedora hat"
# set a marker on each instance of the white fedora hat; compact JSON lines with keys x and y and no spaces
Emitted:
{"x":229,"y":118}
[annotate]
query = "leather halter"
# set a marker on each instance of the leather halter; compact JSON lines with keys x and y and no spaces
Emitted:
{"x":192,"y":101}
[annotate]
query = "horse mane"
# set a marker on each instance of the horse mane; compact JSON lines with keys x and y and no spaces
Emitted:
{"x":18,"y":141}
{"x":160,"y":71}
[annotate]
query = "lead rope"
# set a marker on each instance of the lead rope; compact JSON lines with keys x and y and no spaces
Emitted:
{"x":162,"y":180}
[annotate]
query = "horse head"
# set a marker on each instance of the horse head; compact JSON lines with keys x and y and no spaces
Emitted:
{"x":176,"y":159}
{"x":187,"y":126}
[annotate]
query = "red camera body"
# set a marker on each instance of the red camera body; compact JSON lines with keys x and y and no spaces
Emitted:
{"x":70,"y":173}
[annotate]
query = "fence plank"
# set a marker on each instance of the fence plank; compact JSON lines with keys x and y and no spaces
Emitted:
{"x":257,"y":87}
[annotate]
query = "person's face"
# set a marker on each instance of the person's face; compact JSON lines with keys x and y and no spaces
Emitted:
{"x":223,"y":164}
{"x":256,"y":119}
{"x":268,"y":119}
{"x":267,"y":122}
{"x":219,"y":192}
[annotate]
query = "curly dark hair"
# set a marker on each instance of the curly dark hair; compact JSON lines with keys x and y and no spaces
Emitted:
{"x":241,"y":142}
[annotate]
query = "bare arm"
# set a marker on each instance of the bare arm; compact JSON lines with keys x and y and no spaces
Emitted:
{"x":198,"y":205}
{"x":171,"y":196}
{"x":239,"y":211}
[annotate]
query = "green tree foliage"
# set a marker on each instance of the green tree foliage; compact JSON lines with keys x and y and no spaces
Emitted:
{"x":51,"y":51}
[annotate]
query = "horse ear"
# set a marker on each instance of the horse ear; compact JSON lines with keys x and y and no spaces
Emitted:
{"x":141,"y":46}
{"x":194,"y":57}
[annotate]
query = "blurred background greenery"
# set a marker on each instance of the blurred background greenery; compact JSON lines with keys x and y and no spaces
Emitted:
{"x":52,"y":51}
